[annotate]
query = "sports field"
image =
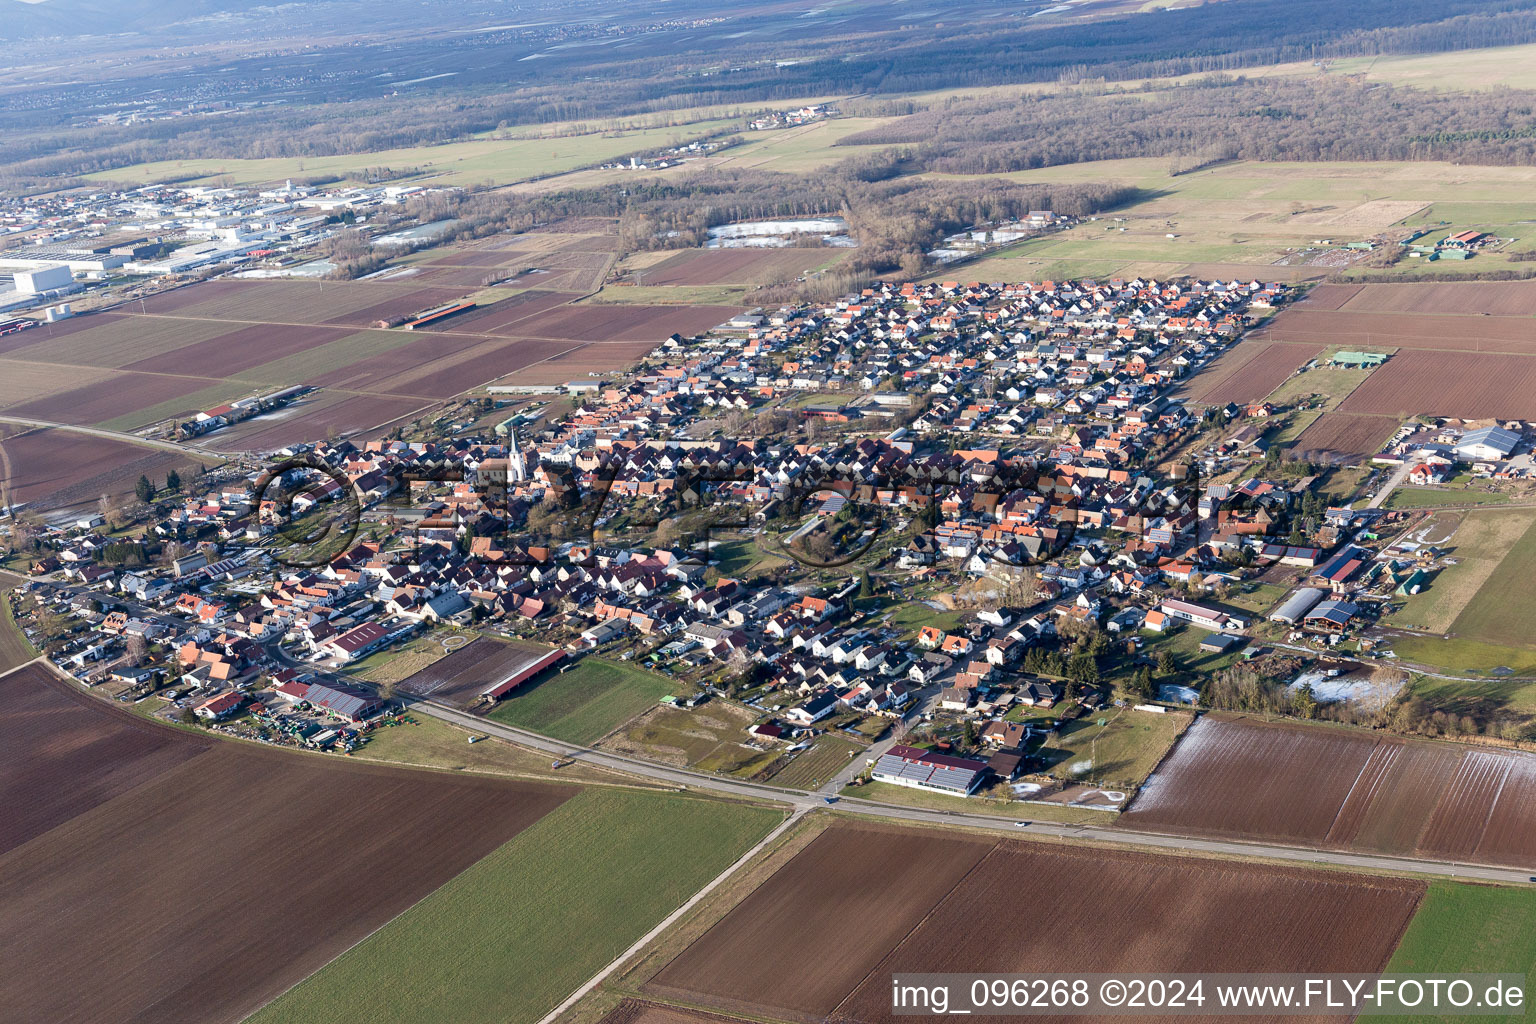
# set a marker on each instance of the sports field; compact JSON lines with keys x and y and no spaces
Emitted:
{"x":586,"y":702}
{"x":514,"y":934}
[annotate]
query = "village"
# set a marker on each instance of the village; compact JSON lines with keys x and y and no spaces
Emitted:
{"x":949,"y":538}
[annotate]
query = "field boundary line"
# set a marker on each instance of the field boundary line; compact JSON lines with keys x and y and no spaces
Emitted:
{"x":996,"y":845}
{"x":672,"y":918}
{"x":25,"y":664}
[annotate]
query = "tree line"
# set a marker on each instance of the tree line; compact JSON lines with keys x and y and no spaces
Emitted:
{"x":1216,"y":118}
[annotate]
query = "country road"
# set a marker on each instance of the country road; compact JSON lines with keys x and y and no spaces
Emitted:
{"x":802,"y":801}
{"x":114,"y":435}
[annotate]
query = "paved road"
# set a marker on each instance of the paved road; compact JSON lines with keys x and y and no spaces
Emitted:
{"x":1385,"y":490}
{"x":802,"y":801}
{"x":115,"y":435}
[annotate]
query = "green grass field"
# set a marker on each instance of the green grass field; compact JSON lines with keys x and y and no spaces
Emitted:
{"x":1478,"y":544}
{"x":586,"y":703}
{"x":1435,"y":497}
{"x":1495,"y":614}
{"x":516,"y":933}
{"x":1483,"y":699}
{"x":743,"y":559}
{"x":1334,"y":382}
{"x":1464,"y":655}
{"x":1462,"y":928}
{"x":495,"y":160}
{"x":1251,"y":213}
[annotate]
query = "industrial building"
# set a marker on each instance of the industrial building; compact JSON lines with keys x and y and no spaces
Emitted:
{"x":1488,"y":443}
{"x":922,"y":769}
{"x":1294,"y":608}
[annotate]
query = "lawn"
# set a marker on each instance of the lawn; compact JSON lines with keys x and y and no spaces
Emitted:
{"x":1193,"y":663}
{"x":712,"y":736}
{"x":1121,"y":753}
{"x":1463,"y":655}
{"x":1483,"y":699}
{"x":1461,"y":928}
{"x":1333,"y":382}
{"x":816,"y":766}
{"x":587,"y":702}
{"x":509,"y":938}
{"x":1434,"y":497}
{"x":1255,"y":597}
{"x":14,"y":648}
{"x":743,"y":558}
{"x":914,"y":615}
{"x":396,"y":663}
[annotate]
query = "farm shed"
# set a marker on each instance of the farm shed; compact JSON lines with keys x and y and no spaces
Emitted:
{"x":1361,"y":359}
{"x":1295,"y":607}
{"x":500,"y":690}
{"x":1342,"y":566}
{"x":1488,"y":443}
{"x":1330,"y":617}
{"x":348,"y":702}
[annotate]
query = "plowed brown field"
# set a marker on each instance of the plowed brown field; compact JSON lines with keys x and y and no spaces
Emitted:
{"x":804,"y":938}
{"x":820,"y":939}
{"x":1249,"y":371}
{"x":60,"y":469}
{"x":1143,"y":913}
{"x":1464,"y":384}
{"x":638,"y":1011}
{"x":200,"y":879}
{"x":462,"y":676}
{"x":1495,"y":298}
{"x":1344,"y":788}
{"x":597,"y":322}
{"x":45,"y":736}
{"x":1330,"y":296}
{"x":1344,"y":434}
{"x":1375,"y":331}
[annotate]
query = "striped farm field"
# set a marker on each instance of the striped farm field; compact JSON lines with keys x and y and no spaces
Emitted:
{"x":1344,"y":789}
{"x":1249,"y":372}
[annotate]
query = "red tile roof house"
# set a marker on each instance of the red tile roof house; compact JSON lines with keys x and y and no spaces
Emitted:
{"x":222,"y":706}
{"x":355,"y":643}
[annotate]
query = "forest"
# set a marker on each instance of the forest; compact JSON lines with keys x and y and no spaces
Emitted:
{"x":1216,"y":117}
{"x":895,"y":221}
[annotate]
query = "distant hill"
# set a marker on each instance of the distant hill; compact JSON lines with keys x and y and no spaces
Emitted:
{"x":65,"y":18}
